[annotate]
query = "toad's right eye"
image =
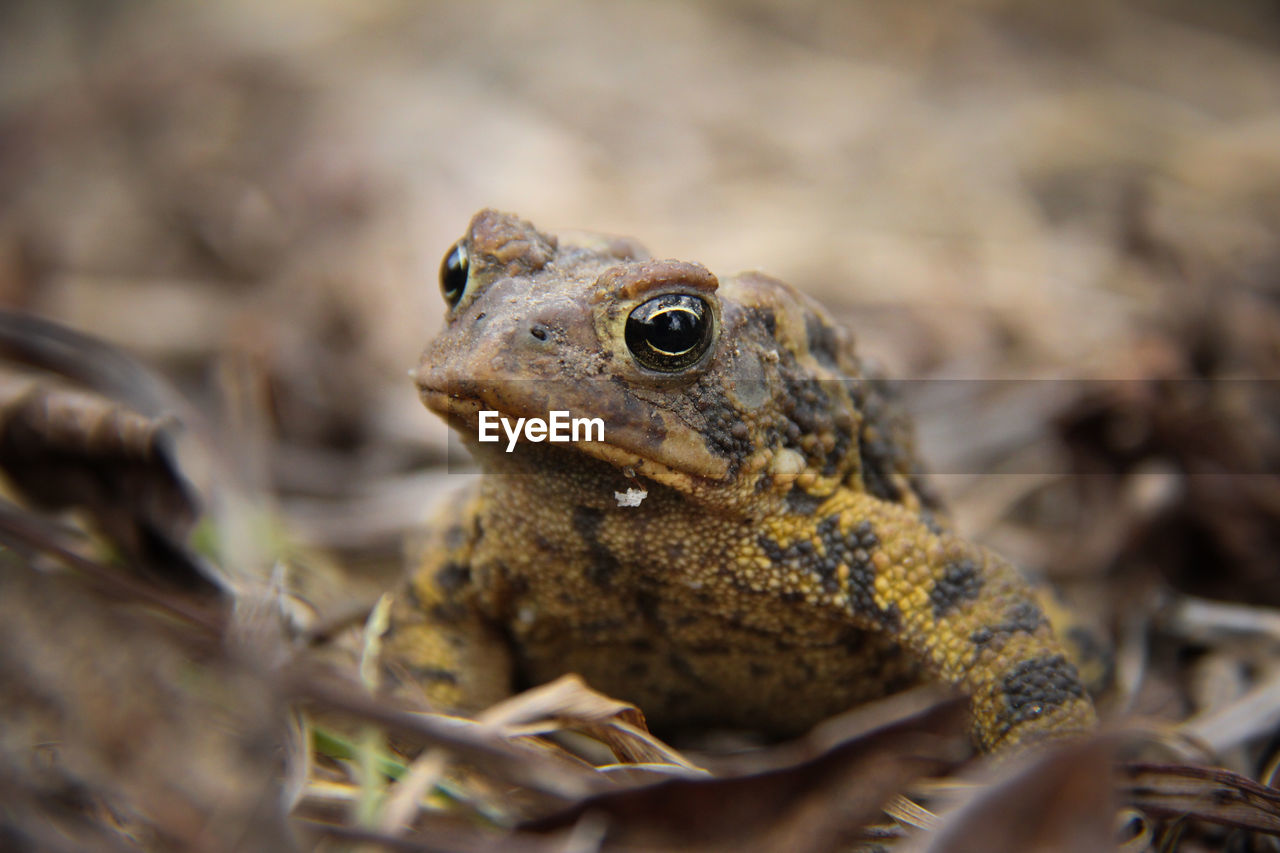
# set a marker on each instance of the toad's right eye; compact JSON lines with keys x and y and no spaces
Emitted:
{"x":670,"y":333}
{"x":453,"y":274}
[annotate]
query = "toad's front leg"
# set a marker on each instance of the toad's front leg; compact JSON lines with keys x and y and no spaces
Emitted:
{"x":439,"y":642}
{"x":965,"y":613}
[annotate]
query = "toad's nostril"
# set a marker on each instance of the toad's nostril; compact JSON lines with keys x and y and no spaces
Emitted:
{"x":539,"y":331}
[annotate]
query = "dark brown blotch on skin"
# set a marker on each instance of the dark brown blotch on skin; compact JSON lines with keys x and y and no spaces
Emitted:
{"x":824,"y":341}
{"x":862,"y":577}
{"x":1021,"y":618}
{"x":453,"y":577}
{"x":722,"y":429}
{"x":884,"y":441}
{"x":1035,"y":687}
{"x":802,"y":503}
{"x":603,"y":565}
{"x":446,"y":613}
{"x":961,"y":581}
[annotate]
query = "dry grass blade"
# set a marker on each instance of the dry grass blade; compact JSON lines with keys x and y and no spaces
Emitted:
{"x":911,"y":813}
{"x":1254,"y":714}
{"x":299,"y":760}
{"x":403,"y":798}
{"x":27,"y":533}
{"x":1132,"y":658}
{"x":1209,"y":621}
{"x":568,"y":704}
{"x":1208,"y":793}
{"x":465,"y":739}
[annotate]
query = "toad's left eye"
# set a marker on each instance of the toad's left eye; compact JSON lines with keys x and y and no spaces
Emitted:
{"x":669,"y":333}
{"x":453,"y":273}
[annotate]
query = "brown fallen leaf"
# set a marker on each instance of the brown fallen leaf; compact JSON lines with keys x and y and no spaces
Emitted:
{"x":568,"y":704}
{"x":811,"y":805}
{"x":1054,"y":801}
{"x":63,"y":447}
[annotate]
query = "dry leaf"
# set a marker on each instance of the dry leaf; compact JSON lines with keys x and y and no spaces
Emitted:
{"x":1056,"y":801}
{"x":812,"y":805}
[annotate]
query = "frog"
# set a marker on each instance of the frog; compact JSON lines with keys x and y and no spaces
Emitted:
{"x":752,"y":542}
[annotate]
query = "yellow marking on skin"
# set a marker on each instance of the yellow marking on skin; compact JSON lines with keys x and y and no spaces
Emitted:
{"x":884,"y":590}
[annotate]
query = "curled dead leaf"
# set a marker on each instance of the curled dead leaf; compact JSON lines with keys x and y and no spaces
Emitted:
{"x":106,"y":448}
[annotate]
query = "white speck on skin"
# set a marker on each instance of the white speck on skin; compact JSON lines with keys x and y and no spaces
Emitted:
{"x":631,"y":497}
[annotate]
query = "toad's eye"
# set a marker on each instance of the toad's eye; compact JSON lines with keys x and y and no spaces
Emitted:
{"x":453,"y":273}
{"x":669,"y":333}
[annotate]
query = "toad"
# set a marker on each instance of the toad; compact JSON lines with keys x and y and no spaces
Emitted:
{"x":778,"y":557}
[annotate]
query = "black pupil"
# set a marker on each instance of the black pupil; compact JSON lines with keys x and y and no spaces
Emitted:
{"x":669,"y":333}
{"x":674,"y":331}
{"x":453,"y":274}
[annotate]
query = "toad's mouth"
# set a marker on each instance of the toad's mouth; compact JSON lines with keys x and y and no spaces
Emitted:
{"x":649,"y":452}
